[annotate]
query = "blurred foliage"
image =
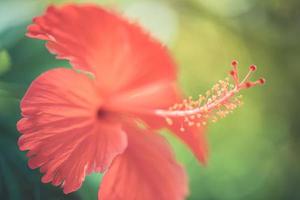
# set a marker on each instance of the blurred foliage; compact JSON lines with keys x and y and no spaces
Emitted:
{"x":4,"y":62}
{"x":254,"y":152}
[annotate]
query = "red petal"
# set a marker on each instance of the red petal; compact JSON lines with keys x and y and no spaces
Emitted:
{"x":146,"y":170}
{"x":118,"y":52}
{"x":142,"y":103}
{"x":61,"y":130}
{"x":193,"y":137}
{"x":146,"y":98}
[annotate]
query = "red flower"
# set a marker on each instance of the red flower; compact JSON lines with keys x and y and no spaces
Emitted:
{"x":88,"y":118}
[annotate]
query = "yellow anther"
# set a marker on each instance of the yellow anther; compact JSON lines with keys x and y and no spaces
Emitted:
{"x":191,"y":123}
{"x":192,"y":117}
{"x":169,"y":121}
{"x":207,"y":93}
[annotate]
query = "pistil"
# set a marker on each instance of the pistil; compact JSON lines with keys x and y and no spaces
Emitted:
{"x":217,"y":103}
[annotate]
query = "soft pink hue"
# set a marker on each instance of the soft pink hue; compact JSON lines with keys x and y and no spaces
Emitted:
{"x":87,"y":119}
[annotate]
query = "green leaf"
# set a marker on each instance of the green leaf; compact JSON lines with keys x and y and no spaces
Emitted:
{"x":5,"y":62}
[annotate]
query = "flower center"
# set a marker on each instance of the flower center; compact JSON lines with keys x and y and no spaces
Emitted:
{"x":216,"y":103}
{"x":101,"y":113}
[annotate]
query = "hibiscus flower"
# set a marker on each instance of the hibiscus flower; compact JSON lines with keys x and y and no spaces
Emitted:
{"x":102,"y":114}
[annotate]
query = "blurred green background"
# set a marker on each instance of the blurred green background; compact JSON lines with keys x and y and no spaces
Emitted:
{"x":254,"y":153}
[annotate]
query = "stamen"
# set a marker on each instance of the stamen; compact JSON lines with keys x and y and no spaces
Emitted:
{"x":169,"y":121}
{"x":215,"y":104}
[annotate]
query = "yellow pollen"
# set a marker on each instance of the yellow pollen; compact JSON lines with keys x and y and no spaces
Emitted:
{"x":169,"y":121}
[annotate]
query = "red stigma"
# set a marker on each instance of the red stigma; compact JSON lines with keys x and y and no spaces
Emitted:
{"x":262,"y":81}
{"x":234,"y":63}
{"x":253,"y":67}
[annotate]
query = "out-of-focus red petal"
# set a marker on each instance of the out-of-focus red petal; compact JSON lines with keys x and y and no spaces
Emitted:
{"x":193,"y":137}
{"x":62,"y":132}
{"x":143,"y":102}
{"x":146,"y":98}
{"x":146,"y":170}
{"x":118,"y":52}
